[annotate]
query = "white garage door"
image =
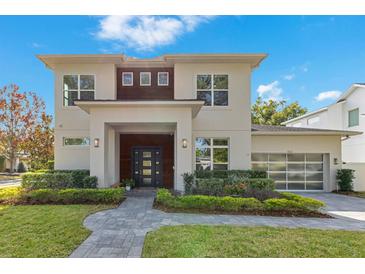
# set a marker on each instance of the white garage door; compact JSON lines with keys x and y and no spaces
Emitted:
{"x":297,"y":171}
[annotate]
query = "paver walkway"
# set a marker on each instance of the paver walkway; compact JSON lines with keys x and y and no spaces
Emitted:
{"x":120,"y":232}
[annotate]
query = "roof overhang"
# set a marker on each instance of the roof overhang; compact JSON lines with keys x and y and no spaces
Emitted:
{"x":253,"y":59}
{"x":348,"y":92}
{"x":51,"y":60}
{"x":341,"y":133}
{"x":195,"y":105}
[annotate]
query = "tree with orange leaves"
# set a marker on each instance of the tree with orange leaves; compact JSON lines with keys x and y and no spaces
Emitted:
{"x":20,"y":114}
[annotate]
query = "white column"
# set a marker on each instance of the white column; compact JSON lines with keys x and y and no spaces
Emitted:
{"x":184,"y":156}
{"x":98,"y":161}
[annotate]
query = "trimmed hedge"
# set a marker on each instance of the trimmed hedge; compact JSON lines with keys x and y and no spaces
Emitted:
{"x":58,"y":179}
{"x":288,"y":202}
{"x":220,"y":187}
{"x":249,"y":173}
{"x":73,"y":196}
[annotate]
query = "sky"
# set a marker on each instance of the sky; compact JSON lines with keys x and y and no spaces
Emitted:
{"x":311,"y":59}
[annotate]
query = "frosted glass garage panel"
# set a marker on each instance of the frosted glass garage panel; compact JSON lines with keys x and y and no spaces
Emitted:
{"x":292,"y":171}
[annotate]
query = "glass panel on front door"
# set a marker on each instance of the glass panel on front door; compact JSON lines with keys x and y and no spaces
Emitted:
{"x":147,"y":168}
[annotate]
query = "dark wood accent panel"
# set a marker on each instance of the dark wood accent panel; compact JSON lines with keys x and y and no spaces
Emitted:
{"x":153,"y":92}
{"x":165,"y":141}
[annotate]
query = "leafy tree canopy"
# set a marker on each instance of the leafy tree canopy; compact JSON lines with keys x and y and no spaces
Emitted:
{"x":274,"y":112}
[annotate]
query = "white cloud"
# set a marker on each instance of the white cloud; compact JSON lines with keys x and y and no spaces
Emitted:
{"x":271,"y":91}
{"x":289,"y":76}
{"x":147,"y":32}
{"x":326,"y":95}
{"x":36,"y":45}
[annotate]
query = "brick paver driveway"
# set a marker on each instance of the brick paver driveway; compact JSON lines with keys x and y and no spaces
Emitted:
{"x":120,"y":232}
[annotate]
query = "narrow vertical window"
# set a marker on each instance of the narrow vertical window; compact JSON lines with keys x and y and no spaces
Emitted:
{"x":163,"y":78}
{"x":127,"y":78}
{"x":145,"y":78}
{"x":353,"y":117}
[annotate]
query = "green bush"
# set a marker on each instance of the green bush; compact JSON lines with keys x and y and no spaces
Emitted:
{"x":204,"y":202}
{"x":345,"y":178}
{"x":212,"y":186}
{"x":58,"y":179}
{"x":260,"y":184}
{"x":287,"y":202}
{"x":290,"y":201}
{"x":73,"y":196}
{"x":188,"y":182}
{"x":206,"y":174}
{"x":21,"y":167}
{"x":55,"y":180}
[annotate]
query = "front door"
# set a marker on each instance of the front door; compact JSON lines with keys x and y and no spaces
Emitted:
{"x":147,"y":166}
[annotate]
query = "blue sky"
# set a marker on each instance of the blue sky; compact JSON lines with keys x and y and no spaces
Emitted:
{"x":311,"y":58}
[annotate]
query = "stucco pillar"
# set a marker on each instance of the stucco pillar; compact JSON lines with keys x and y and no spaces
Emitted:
{"x":184,"y":156}
{"x":98,"y":159}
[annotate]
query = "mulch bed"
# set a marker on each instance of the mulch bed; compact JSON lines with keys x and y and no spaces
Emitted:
{"x":309,"y":214}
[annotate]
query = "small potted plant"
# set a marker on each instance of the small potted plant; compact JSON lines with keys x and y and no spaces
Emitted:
{"x":128,"y":183}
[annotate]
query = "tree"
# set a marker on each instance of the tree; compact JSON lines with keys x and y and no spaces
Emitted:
{"x":274,"y":112}
{"x":39,"y":143}
{"x":19,"y":114}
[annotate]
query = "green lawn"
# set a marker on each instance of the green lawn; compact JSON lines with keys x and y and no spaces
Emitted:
{"x":232,"y":241}
{"x":43,"y":230}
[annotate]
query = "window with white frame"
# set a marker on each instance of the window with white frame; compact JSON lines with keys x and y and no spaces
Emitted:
{"x":163,"y":78}
{"x":78,"y":87}
{"x":145,"y":78}
{"x":76,"y":141}
{"x":353,"y":117}
{"x":127,"y":78}
{"x":211,"y":153}
{"x":313,"y":120}
{"x":213,"y":89}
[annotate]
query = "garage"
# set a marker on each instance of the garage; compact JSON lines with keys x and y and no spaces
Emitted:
{"x":294,"y":171}
{"x":298,"y":159}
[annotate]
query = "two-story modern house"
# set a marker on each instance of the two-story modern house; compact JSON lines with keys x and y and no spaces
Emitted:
{"x":154,"y":119}
{"x":347,"y":113}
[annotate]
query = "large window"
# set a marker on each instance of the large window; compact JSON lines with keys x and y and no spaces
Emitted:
{"x":297,"y":171}
{"x":213,"y":89}
{"x":76,"y":141}
{"x":211,"y":153}
{"x":354,"y":117}
{"x":78,"y":87}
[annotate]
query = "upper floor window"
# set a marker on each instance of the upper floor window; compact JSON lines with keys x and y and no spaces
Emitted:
{"x":313,"y":120}
{"x":163,"y":78}
{"x":211,"y":153}
{"x":145,"y":78}
{"x":213,"y":89}
{"x":76,"y":141}
{"x":127,"y":78}
{"x":354,"y":117}
{"x":78,"y":87}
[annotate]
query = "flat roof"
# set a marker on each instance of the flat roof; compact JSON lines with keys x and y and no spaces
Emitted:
{"x":282,"y":130}
{"x":194,"y":104}
{"x":50,"y":60}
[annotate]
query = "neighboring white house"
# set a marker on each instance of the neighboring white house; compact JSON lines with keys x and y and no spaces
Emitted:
{"x":154,"y":119}
{"x":347,"y":113}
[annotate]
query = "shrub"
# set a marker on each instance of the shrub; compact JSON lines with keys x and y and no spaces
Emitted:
{"x":235,"y":189}
{"x":128,"y":182}
{"x":204,"y":202}
{"x":21,"y":167}
{"x":260,"y":184}
{"x":10,"y":193}
{"x":58,"y":179}
{"x":290,"y":201}
{"x":90,"y":182}
{"x":73,"y":196}
{"x":212,"y":186}
{"x":50,"y":164}
{"x":188,"y":182}
{"x":345,"y":178}
{"x":55,"y":180}
{"x":248,"y":174}
{"x":261,"y":194}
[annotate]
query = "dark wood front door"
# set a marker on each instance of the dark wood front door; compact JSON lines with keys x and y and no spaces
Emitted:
{"x":147,"y":166}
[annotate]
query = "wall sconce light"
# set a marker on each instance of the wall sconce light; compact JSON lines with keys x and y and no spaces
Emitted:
{"x":335,"y":161}
{"x":184,"y":143}
{"x":96,"y":142}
